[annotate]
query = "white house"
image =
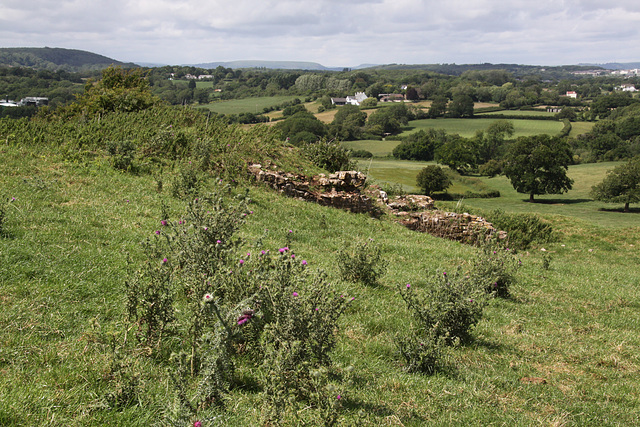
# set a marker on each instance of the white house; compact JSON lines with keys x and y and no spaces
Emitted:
{"x":627,"y":88}
{"x":571,"y":94}
{"x":357,"y":98}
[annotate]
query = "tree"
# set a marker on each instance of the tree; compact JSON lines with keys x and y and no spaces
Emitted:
{"x":458,"y":153}
{"x":621,"y":185}
{"x":431,"y":179}
{"x":438,"y":107}
{"x":491,"y":140}
{"x":538,"y":165}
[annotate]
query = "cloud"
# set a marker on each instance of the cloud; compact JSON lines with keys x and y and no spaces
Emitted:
{"x":333,"y":32}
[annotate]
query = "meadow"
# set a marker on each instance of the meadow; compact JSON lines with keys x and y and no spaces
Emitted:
{"x":563,"y":349}
{"x":468,"y":127}
{"x":246,"y":105}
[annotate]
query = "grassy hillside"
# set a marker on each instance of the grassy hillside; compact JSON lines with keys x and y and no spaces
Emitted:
{"x":83,"y":193}
{"x":56,"y":59}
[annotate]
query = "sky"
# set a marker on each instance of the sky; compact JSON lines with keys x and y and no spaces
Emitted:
{"x":334,"y":33}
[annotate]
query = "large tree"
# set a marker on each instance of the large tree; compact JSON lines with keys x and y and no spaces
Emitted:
{"x":538,"y":165}
{"x":621,"y":185}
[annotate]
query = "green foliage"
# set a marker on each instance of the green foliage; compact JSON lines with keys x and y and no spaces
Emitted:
{"x":348,"y":123}
{"x":361,"y":154}
{"x":301,"y":122}
{"x":118,"y":90}
{"x":329,"y":155}
{"x":491,"y":169}
{"x":621,"y":185}
{"x":447,"y":307}
{"x":494,"y":268}
{"x":362,"y":264}
{"x":431,"y":179}
{"x":123,"y":155}
{"x":460,"y":154}
{"x":4,"y":202}
{"x":420,"y":145}
{"x":538,"y":165}
{"x":523,"y":229}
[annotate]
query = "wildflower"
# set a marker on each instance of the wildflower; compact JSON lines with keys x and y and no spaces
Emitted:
{"x":281,"y":250}
{"x":218,"y":241}
{"x":206,"y":228}
{"x":408,"y":285}
{"x":13,"y":199}
{"x":339,"y":397}
{"x":164,"y":260}
{"x":262,"y":252}
{"x":163,"y":222}
{"x":207,"y":298}
{"x":245,"y":317}
{"x":304,"y":262}
{"x":295,"y":294}
{"x":197,"y":424}
{"x":317,"y":309}
{"x":158,"y":232}
{"x":241,"y":261}
{"x":352,"y":298}
{"x":290,"y":231}
{"x":293,"y":256}
{"x":248,"y":254}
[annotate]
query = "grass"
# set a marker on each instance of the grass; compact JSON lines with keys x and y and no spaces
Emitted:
{"x":563,"y":350}
{"x":378,"y":148}
{"x":524,"y":113}
{"x":580,"y":128}
{"x":575,"y":203}
{"x":468,"y":127}
{"x":246,"y":105}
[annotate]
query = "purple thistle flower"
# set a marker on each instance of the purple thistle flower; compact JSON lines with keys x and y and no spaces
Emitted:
{"x":408,"y":285}
{"x":158,"y":232}
{"x":295,"y":294}
{"x":317,"y":309}
{"x":290,"y":231}
{"x":197,"y":424}
{"x":352,"y":298}
{"x":218,"y":241}
{"x":262,"y":252}
{"x":164,"y":260}
{"x":339,"y":397}
{"x":293,"y":256}
{"x":163,"y":222}
{"x":444,"y":273}
{"x":281,"y":250}
{"x":304,"y":262}
{"x":241,"y":261}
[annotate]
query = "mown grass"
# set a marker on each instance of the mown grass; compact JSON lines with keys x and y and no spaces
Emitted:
{"x":246,"y":105}
{"x":524,"y":113}
{"x":469,"y":127}
{"x":563,"y":350}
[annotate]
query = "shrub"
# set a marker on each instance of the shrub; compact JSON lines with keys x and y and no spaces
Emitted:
{"x":329,"y":155}
{"x":362,"y":154}
{"x":522,"y":229}
{"x":494,"y":268}
{"x":364,"y":264}
{"x":445,"y":312}
{"x":123,"y":155}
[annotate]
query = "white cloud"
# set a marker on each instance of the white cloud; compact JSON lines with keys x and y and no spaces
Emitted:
{"x":333,"y":32}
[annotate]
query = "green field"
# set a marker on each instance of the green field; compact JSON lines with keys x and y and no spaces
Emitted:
{"x":378,"y":148}
{"x":246,"y":105}
{"x":468,"y":127}
{"x":579,"y":128}
{"x":524,"y":113}
{"x":575,"y":203}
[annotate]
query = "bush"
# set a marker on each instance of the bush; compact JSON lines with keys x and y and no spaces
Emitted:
{"x":329,"y":155}
{"x":364,"y":265}
{"x":445,"y":312}
{"x":494,"y":269}
{"x":522,"y":229}
{"x":361,"y":154}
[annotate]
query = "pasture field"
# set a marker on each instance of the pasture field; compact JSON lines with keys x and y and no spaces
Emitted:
{"x":575,"y":203}
{"x":524,"y":113}
{"x":580,"y":128}
{"x":468,"y":127}
{"x":246,"y":105}
{"x":378,"y":148}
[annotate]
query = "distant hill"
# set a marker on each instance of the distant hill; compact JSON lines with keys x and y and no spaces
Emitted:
{"x":54,"y":59}
{"x":280,"y":65}
{"x":617,"y":65}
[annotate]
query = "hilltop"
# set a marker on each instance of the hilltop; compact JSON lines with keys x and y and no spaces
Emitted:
{"x":54,"y":59}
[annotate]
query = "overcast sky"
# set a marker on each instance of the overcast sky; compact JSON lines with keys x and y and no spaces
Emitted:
{"x":340,"y":33}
